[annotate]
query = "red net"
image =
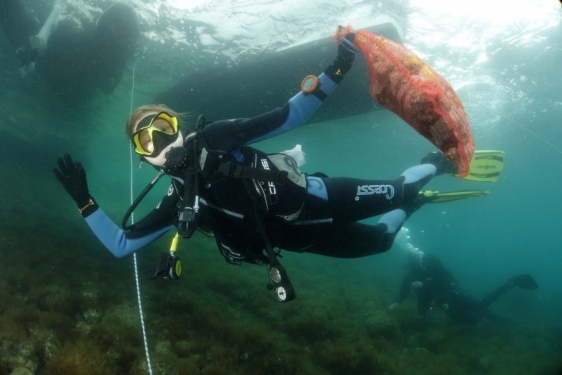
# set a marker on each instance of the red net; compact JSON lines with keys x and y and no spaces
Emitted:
{"x":406,"y":85}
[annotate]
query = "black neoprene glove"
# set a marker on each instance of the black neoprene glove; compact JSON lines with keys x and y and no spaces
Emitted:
{"x":73,"y":177}
{"x":343,"y":61}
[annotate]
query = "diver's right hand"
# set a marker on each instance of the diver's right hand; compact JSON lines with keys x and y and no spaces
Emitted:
{"x":73,"y":177}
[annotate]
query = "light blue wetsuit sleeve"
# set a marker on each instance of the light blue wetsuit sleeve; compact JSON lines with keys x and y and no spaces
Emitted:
{"x":229,"y":136}
{"x":115,"y":239}
{"x":301,"y":107}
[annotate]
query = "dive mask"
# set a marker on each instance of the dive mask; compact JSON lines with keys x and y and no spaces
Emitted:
{"x":154,"y":133}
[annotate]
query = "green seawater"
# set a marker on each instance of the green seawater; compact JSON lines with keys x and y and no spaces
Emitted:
{"x":67,"y":306}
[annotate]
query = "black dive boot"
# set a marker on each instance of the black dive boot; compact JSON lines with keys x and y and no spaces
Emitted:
{"x":440,"y":161}
{"x":524,"y":282}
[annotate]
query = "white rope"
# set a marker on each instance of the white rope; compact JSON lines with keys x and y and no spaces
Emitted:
{"x":135,"y":254}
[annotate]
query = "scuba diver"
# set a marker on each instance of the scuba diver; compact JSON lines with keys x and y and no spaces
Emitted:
{"x":251,"y":201}
{"x":75,"y":61}
{"x":430,"y":281}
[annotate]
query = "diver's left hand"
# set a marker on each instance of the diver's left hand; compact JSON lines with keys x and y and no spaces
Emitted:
{"x":73,"y":177}
{"x":344,"y":60}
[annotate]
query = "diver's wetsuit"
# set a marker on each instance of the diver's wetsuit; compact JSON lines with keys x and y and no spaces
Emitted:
{"x":440,"y":285}
{"x":327,"y":223}
{"x":432,"y":274}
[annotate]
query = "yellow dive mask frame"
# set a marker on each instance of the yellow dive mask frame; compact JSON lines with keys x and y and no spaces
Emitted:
{"x":143,"y":138}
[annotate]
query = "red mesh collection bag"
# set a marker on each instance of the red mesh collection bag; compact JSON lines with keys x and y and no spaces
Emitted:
{"x":406,"y":85}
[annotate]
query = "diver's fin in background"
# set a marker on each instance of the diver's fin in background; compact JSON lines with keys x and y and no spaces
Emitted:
{"x":525,"y":281}
{"x":429,"y":196}
{"x":485,"y":166}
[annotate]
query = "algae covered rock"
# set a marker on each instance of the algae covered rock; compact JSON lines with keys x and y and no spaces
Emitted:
{"x":17,"y":355}
{"x":22,"y":371}
{"x":378,"y":323}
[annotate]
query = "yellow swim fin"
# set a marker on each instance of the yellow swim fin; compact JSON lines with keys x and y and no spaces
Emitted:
{"x":429,"y":196}
{"x":485,"y":166}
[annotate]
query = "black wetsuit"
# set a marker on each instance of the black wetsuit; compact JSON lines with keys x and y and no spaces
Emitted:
{"x":326,"y":224}
{"x":440,"y":285}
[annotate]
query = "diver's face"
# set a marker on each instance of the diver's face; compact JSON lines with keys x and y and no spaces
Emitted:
{"x":159,"y":135}
{"x":146,"y":136}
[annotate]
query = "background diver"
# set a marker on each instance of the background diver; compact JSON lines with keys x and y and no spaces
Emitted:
{"x":74,"y":60}
{"x":251,"y":201}
{"x":432,"y":282}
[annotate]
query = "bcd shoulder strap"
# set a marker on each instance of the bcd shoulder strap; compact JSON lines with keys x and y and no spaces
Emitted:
{"x":214,"y":167}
